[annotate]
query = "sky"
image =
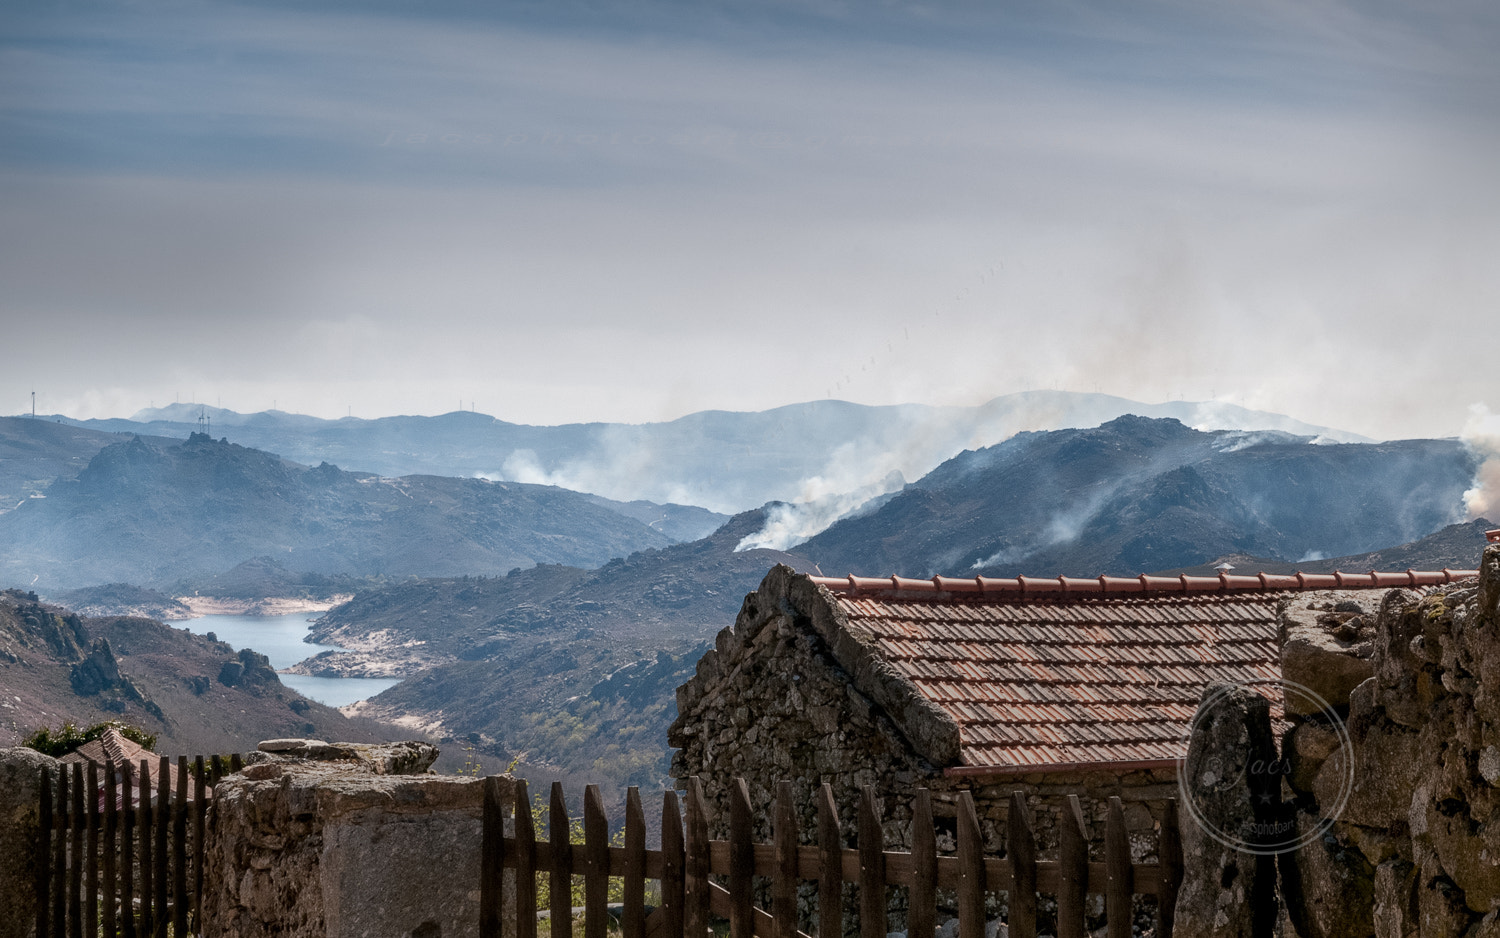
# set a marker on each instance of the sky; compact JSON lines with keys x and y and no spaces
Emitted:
{"x":631,"y":211}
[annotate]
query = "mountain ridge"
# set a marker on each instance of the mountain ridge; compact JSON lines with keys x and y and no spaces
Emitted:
{"x":726,"y":461}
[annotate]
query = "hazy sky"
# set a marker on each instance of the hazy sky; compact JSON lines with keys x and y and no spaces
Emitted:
{"x":631,"y":211}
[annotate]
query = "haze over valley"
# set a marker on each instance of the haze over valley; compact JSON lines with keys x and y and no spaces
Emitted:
{"x":550,"y":627}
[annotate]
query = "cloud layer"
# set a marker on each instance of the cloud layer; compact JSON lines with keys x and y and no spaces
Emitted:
{"x":632,"y":213}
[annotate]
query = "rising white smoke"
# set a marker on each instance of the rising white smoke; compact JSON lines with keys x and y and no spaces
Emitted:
{"x":788,"y":525}
{"x":1482,"y":436}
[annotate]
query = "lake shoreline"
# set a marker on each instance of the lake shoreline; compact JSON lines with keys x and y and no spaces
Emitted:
{"x":269,"y":606}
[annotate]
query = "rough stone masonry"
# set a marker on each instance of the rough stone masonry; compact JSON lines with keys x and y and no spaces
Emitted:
{"x":339,"y":840}
{"x":1413,"y":796}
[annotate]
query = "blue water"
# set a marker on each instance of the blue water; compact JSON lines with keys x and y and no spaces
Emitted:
{"x":279,"y":638}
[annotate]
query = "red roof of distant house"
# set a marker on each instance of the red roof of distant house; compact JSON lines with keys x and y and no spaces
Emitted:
{"x":1051,"y":674}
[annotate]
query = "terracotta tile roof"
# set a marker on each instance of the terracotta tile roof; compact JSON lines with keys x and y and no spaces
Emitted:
{"x":112,"y":747}
{"x":1072,"y":672}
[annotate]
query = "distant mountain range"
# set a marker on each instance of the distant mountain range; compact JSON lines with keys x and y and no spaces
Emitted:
{"x":728,"y":462}
{"x":153,"y":515}
{"x":1138,"y":494}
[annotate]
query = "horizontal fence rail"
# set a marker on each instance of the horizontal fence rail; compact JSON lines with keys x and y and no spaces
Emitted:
{"x":120,"y":849}
{"x":688,"y":858}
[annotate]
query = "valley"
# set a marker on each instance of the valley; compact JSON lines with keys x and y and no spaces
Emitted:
{"x":537,"y":627}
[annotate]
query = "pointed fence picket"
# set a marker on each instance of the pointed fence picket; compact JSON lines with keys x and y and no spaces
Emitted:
{"x":688,"y":864}
{"x":119,"y":852}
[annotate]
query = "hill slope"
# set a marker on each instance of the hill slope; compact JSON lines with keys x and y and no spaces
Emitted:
{"x":199,"y":696}
{"x":1139,"y":494}
{"x":572,"y":671}
{"x":153,"y":515}
{"x":1456,"y":547}
{"x":35,"y":453}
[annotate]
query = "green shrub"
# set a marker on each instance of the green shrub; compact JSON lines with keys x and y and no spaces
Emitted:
{"x":68,"y":737}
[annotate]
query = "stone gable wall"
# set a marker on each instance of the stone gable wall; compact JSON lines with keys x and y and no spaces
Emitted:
{"x":771,"y":702}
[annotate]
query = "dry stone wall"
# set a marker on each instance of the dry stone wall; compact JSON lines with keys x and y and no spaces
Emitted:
{"x":305,"y":842}
{"x":1415,"y":795}
{"x":20,"y":801}
{"x":1410,"y":793}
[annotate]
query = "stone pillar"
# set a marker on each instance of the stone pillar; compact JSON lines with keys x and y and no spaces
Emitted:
{"x":327,"y":850}
{"x":1230,"y":790}
{"x":20,"y":798}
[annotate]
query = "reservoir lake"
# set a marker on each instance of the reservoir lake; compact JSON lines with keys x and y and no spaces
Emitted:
{"x":279,"y":638}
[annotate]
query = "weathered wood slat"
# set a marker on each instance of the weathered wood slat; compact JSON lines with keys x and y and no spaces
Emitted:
{"x":127,"y":851}
{"x":596,"y":871}
{"x":784,"y":881}
{"x":741,"y":861}
{"x":830,"y":866}
{"x":1020,"y":847}
{"x":696,"y":894}
{"x":672,"y":868}
{"x":200,"y":820}
{"x":971,"y":883}
{"x":633,"y":911}
{"x":525,"y":854}
{"x":492,"y":860}
{"x":1169,"y":853}
{"x":922,"y":916}
{"x":75,"y":852}
{"x":91,"y":855}
{"x":109,"y":853}
{"x":1118,"y":885}
{"x":162,"y":824}
{"x":1073,"y":873}
{"x":872,"y":918}
{"x":560,"y":882}
{"x":179,"y":851}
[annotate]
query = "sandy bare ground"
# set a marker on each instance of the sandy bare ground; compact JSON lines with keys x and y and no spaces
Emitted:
{"x":271,"y":606}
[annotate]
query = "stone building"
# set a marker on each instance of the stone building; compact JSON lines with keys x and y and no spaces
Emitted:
{"x":1050,"y":686}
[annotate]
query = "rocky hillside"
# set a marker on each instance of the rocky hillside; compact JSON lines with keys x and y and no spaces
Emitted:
{"x":36,"y":452}
{"x":122,"y":599}
{"x":198,"y":696}
{"x":1455,"y":547}
{"x":151,"y":515}
{"x":1138,"y":494}
{"x":571,"y":671}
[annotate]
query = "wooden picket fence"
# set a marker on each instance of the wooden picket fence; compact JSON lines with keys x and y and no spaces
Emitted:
{"x":687,"y":859}
{"x":116,"y":859}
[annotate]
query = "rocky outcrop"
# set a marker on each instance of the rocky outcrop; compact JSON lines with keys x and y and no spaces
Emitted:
{"x":303,"y":847}
{"x":20,"y":795}
{"x":1233,"y":799}
{"x":1327,"y":646}
{"x":405,"y":758}
{"x":249,"y":669}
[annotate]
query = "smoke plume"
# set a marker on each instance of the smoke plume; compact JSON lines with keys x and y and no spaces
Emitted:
{"x":1482,"y":436}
